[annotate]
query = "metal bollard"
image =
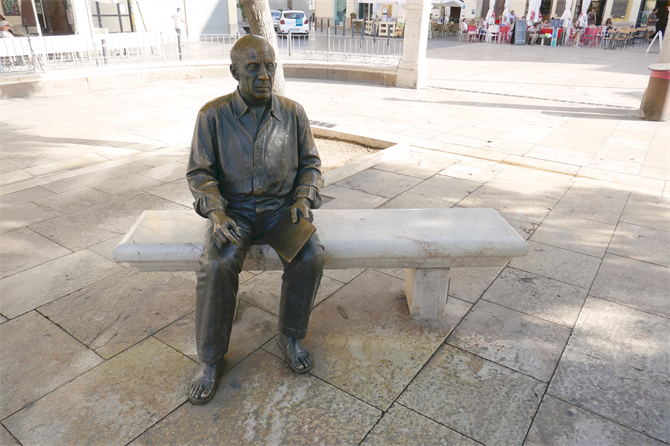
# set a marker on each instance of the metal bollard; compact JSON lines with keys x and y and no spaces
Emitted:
{"x":335,"y":27}
{"x":288,"y":42}
{"x":179,"y":45}
{"x":321,"y":25}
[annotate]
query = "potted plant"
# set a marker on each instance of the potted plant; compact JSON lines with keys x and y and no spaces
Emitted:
{"x":353,"y":17}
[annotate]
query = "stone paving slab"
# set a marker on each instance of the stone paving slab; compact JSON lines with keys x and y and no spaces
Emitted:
{"x":538,"y":296}
{"x":36,"y":348}
{"x":42,"y":284}
{"x":616,"y":366}
{"x":116,"y":313}
{"x":23,"y":249}
{"x":478,"y":398}
{"x":641,"y":243}
{"x":523,"y":343}
{"x":261,"y":401}
{"x":401,"y":426}
{"x":558,"y":423}
{"x":377,"y":349}
{"x":110,"y":405}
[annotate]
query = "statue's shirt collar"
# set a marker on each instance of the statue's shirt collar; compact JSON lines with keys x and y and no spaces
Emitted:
{"x":240,"y":107}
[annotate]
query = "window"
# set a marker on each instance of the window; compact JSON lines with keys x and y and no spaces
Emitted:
{"x":114,"y":17}
{"x":294,"y":15}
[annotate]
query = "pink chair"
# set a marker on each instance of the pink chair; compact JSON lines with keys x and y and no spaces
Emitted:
{"x":590,"y":36}
{"x":504,"y":34}
{"x":472,"y":33}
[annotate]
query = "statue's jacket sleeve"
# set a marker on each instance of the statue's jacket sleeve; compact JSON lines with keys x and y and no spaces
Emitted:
{"x":233,"y":159}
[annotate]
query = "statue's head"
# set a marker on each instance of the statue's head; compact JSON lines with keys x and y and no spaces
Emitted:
{"x":253,"y":66}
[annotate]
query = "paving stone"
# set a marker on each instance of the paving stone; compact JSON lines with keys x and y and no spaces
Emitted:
{"x":342,"y":275}
{"x":6,"y":439}
{"x":345,"y":198}
{"x":401,"y":426}
{"x":378,"y":182}
{"x":575,"y":234}
{"x":23,"y":249}
{"x":73,"y":201}
{"x":377,"y":349}
{"x":42,"y":284}
{"x":264,"y":290}
{"x":261,"y":401}
{"x":408,"y":200}
{"x":471,"y":173}
{"x":538,"y":296}
{"x":475,"y":397}
{"x":111,"y":404}
{"x":117,"y":312}
{"x":176,"y":191}
{"x":558,"y":423}
{"x":128,"y":184}
{"x":641,"y":243}
{"x":106,"y":248}
{"x":559,"y":264}
{"x":597,"y":204}
{"x":524,"y":229}
{"x":167,"y":172}
{"x":22,"y":215}
{"x":523,"y":343}
{"x":37,"y":358}
{"x":395,"y":272}
{"x":253,"y":328}
{"x":96,"y":177}
{"x":451,"y":190}
{"x":417,"y":164}
{"x":634,"y":284}
{"x":100,"y":223}
{"x":23,"y":196}
{"x":469,"y":284}
{"x":616,"y":366}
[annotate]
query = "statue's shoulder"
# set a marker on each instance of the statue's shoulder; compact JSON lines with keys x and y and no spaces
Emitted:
{"x":290,"y":105}
{"x":216,"y":105}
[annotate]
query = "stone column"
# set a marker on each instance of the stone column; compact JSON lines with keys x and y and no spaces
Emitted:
{"x":412,"y":70}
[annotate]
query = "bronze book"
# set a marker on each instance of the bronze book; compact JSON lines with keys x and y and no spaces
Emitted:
{"x":288,"y":238}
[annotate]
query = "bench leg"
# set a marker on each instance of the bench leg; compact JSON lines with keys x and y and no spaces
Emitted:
{"x":426,"y":291}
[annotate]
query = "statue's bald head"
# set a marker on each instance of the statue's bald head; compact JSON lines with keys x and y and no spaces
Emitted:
{"x":253,"y":66}
{"x":239,"y":51}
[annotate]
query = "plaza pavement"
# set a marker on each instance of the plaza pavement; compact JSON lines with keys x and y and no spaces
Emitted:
{"x":567,"y":346}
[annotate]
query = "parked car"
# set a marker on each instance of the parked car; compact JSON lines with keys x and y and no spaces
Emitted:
{"x":276,"y":14}
{"x":295,"y":21}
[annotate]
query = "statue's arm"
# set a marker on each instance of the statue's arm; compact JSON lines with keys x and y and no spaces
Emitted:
{"x":203,"y":170}
{"x":202,"y":176}
{"x":308,"y":179}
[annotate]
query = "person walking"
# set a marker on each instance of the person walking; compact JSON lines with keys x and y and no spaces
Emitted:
{"x":653,"y":19}
{"x":179,"y":22}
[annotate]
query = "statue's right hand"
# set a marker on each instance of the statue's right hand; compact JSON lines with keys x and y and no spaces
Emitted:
{"x":225,"y":229}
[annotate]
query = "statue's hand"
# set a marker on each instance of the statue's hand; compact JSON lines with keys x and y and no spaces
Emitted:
{"x":224,"y":228}
{"x":301,"y":205}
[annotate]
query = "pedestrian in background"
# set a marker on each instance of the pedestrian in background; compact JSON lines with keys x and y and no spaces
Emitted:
{"x":4,"y":30}
{"x":179,"y":22}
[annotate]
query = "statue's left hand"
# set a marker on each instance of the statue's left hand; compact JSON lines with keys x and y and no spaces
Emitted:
{"x":301,"y":206}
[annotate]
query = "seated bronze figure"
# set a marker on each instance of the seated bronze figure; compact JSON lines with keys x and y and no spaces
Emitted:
{"x":252,"y":160}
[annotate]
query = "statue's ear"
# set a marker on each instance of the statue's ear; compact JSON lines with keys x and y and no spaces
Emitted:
{"x":233,"y":71}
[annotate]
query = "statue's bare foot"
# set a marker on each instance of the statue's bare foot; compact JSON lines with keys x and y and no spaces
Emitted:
{"x":203,"y":384}
{"x":297,"y":355}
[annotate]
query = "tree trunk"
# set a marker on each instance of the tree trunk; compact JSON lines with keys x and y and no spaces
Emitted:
{"x":260,"y":24}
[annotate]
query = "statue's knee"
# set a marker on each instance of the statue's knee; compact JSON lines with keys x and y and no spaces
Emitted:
{"x":314,"y":255}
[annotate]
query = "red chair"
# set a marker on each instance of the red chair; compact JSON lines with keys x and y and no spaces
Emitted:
{"x":504,"y":34}
{"x":472,"y":34}
{"x":590,"y":35}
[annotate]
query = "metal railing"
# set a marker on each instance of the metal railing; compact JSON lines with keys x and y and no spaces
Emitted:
{"x":76,"y":51}
{"x":352,"y":48}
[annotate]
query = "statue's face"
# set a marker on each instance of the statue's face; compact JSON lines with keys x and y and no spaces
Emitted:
{"x":255,"y":73}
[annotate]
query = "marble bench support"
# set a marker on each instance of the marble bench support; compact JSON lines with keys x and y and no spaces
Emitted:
{"x":428,"y":242}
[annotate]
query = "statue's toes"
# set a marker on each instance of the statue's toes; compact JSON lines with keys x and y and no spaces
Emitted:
{"x":207,"y":391}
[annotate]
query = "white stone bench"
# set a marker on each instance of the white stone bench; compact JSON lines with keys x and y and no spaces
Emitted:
{"x":425,"y":241}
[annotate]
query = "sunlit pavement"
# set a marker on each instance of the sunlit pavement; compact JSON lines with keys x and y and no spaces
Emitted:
{"x":568,"y":345}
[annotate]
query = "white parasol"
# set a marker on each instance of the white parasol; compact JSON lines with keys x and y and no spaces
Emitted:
{"x":506,"y":13}
{"x":491,"y":15}
{"x":534,"y":11}
{"x":583,"y":18}
{"x":567,"y":15}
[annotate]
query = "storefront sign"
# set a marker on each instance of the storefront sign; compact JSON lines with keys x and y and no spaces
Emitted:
{"x":520,"y":32}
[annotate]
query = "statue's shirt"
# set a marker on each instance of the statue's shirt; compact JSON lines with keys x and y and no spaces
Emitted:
{"x":238,"y":161}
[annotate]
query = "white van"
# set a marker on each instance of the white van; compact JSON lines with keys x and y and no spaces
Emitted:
{"x":295,"y":21}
